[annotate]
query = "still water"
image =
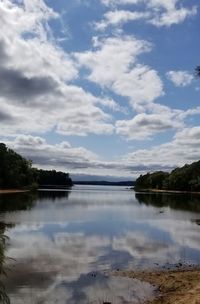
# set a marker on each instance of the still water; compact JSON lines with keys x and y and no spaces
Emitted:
{"x":62,"y":244}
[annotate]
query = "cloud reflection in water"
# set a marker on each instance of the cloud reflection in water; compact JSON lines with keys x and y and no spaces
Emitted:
{"x":59,"y":243}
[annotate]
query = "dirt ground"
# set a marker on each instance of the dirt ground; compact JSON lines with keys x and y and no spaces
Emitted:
{"x":8,"y":191}
{"x":173,"y":286}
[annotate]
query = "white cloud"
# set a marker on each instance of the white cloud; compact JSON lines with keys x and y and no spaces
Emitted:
{"x":111,"y":58}
{"x":157,"y":119}
{"x":159,"y":12}
{"x":59,"y":155}
{"x":180,"y":78}
{"x":190,"y":112}
{"x":64,"y":157}
{"x":113,"y":64}
{"x":189,"y":136}
{"x":118,"y":17}
{"x":173,"y":17}
{"x":141,"y":84}
{"x":81,"y":122}
{"x":184,"y":148}
{"x":119,"y":2}
{"x":143,"y":126}
{"x":24,"y":37}
{"x":36,"y":93}
{"x":166,"y":13}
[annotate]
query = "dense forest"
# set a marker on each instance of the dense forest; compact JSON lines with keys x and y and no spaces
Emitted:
{"x":52,"y":177}
{"x":186,"y":178}
{"x":17,"y":172}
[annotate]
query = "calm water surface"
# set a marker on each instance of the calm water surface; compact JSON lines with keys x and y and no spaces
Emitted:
{"x":62,"y":243}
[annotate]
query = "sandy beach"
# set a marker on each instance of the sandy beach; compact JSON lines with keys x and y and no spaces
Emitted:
{"x":173,"y":286}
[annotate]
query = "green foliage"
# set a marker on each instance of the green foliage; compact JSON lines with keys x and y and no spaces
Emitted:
{"x":17,"y":172}
{"x":186,"y":178}
{"x":52,"y":177}
{"x":154,"y":180}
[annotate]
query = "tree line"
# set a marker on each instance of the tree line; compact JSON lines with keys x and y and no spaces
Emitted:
{"x":17,"y":172}
{"x":186,"y":178}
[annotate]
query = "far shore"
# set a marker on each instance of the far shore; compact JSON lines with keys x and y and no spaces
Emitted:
{"x":173,"y":286}
{"x":165,"y":191}
{"x":9,"y":191}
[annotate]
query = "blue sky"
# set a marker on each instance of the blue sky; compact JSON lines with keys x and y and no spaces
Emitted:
{"x":102,"y":87}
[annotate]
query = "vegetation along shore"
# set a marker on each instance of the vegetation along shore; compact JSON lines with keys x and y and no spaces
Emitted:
{"x":17,"y":173}
{"x":184,"y":179}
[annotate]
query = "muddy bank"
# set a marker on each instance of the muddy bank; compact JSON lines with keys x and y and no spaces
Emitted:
{"x":9,"y":191}
{"x":173,"y":286}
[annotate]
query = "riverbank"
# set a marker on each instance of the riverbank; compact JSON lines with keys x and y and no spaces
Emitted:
{"x":10,"y":191}
{"x":173,"y":286}
{"x":165,"y":191}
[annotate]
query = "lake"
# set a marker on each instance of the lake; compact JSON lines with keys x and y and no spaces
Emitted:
{"x":62,"y":244}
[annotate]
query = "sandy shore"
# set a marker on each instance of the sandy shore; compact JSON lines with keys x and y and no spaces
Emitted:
{"x":8,"y":191}
{"x":174,"y":286}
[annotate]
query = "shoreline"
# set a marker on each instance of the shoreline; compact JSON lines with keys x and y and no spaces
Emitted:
{"x":165,"y":191}
{"x":10,"y":191}
{"x":178,"y":286}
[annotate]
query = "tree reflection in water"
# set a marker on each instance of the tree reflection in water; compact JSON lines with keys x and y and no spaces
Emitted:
{"x":187,"y":202}
{"x":4,"y":299}
{"x":19,"y":201}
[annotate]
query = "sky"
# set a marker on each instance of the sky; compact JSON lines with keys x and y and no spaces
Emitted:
{"x":101,"y":87}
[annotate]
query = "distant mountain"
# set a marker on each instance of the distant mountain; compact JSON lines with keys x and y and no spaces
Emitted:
{"x":98,"y":178}
{"x":105,"y":183}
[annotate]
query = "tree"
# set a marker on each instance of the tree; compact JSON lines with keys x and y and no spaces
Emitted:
{"x":53,"y":177}
{"x":197,"y":71}
{"x":186,"y":178}
{"x":16,"y":171}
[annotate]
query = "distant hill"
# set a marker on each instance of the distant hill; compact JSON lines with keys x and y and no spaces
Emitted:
{"x":105,"y":183}
{"x":98,"y":178}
